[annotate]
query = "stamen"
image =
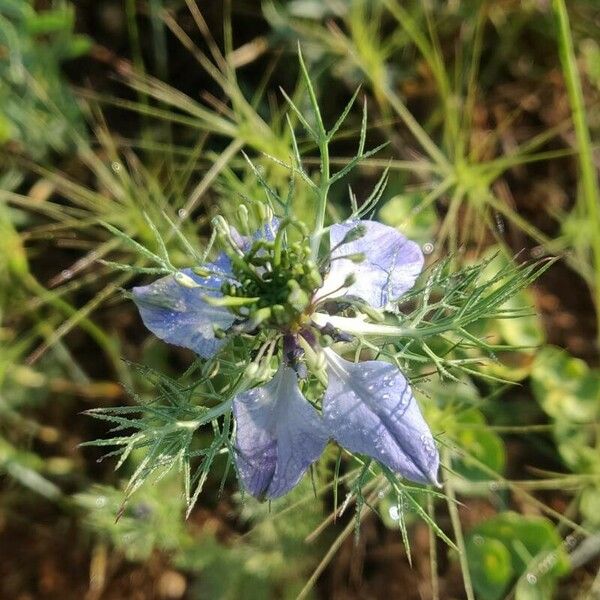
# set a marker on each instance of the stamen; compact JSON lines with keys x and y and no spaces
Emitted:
{"x":350,"y":280}
{"x":351,"y":236}
{"x":229,"y":300}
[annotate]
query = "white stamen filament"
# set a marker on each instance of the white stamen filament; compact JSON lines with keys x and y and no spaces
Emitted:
{"x":357,"y":326}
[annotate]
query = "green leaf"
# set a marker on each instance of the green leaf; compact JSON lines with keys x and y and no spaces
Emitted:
{"x":50,"y":21}
{"x":481,"y":443}
{"x":566,"y":388}
{"x":78,"y":46}
{"x":490,"y":565}
{"x":577,"y":446}
{"x":589,"y":505}
{"x":534,"y":548}
{"x":403,"y":212}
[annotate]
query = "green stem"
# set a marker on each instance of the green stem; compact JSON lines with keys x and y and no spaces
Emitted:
{"x":433,"y":557}
{"x":457,"y":527}
{"x":322,"y":140}
{"x":323,"y":192}
{"x":589,"y":181}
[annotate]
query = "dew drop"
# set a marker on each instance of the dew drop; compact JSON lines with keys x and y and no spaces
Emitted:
{"x":381,"y":494}
{"x":531,"y":578}
{"x":394,"y":513}
{"x":115,"y":166}
{"x":537,"y":252}
{"x":428,"y":248}
{"x":66,"y":274}
{"x":478,"y":540}
{"x":428,"y":445}
{"x":182,"y":213}
{"x":101,"y":501}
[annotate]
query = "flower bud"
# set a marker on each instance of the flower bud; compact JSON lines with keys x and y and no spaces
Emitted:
{"x":219,"y":332}
{"x":297,"y":298}
{"x":243,"y":217}
{"x":201,"y":271}
{"x":185,"y":280}
{"x":358,"y":257}
{"x":350,"y":280}
{"x":354,"y":234}
{"x":251,"y":371}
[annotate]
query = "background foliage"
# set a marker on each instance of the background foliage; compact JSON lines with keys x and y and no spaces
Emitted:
{"x":135,"y":114}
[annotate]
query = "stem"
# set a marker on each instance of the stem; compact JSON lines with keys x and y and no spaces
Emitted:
{"x":456,"y":526}
{"x":337,"y":543}
{"x":433,"y":557}
{"x":208,"y":416}
{"x":322,"y":193}
{"x":322,"y":140}
{"x":589,"y":181}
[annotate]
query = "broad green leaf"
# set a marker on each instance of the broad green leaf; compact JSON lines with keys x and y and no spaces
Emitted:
{"x":481,"y":443}
{"x":577,"y":446}
{"x":565,"y":387}
{"x":533,"y":547}
{"x":490,"y":565}
{"x":589,"y":504}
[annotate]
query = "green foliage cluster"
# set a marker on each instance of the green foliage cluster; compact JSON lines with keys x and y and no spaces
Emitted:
{"x":38,"y":108}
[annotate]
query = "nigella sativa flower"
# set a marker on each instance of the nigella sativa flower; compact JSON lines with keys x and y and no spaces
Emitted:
{"x":262,"y":284}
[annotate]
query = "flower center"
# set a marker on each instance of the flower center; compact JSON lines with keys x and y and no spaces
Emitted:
{"x":274,"y":283}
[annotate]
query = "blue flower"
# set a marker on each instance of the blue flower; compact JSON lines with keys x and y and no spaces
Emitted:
{"x":367,"y":407}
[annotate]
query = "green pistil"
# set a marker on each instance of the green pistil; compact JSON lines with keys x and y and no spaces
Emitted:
{"x":275,"y":282}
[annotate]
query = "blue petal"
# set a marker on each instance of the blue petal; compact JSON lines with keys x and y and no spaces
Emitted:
{"x":177,"y":313}
{"x":369,"y":408}
{"x":279,"y":435}
{"x":266,"y":232}
{"x":391,"y":265}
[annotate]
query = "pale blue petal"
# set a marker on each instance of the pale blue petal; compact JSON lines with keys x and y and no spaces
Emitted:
{"x":266,"y":232}
{"x":391,"y":265}
{"x":279,"y":435}
{"x":369,"y":408}
{"x":177,"y":313}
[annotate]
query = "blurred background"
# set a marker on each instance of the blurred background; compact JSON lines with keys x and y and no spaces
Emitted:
{"x":110,"y":110}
